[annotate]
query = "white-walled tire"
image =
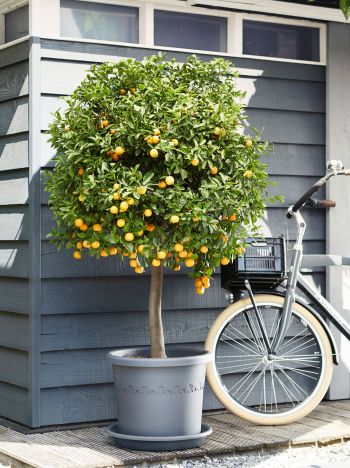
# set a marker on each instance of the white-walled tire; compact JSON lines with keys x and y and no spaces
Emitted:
{"x":265,"y":389}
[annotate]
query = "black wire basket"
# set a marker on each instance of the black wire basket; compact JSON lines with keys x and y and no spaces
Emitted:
{"x":263,"y":264}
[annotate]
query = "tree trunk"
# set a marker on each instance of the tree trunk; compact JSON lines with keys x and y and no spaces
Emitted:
{"x":155,"y":313}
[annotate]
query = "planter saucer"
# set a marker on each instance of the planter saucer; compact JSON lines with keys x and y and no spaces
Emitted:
{"x":159,"y":444}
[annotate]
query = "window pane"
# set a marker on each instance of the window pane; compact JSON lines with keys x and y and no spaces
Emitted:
{"x":281,"y":40}
{"x":188,"y":31}
{"x":99,"y":21}
{"x":17,"y":24}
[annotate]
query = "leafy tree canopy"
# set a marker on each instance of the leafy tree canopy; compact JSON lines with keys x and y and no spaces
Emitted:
{"x":152,"y":164}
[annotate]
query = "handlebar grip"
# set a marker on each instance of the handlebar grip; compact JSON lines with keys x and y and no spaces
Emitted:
{"x":347,"y":171}
{"x":328,"y":203}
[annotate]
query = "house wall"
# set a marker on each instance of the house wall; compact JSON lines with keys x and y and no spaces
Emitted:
{"x":90,"y":307}
{"x":14,"y":233}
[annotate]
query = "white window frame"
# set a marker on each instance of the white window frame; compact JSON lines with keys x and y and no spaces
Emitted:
{"x":41,"y":27}
{"x":5,"y":8}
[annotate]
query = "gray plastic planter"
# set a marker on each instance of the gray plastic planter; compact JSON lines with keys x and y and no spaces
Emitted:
{"x":159,"y":397}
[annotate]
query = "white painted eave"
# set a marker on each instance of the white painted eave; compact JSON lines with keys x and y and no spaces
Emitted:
{"x":276,"y":8}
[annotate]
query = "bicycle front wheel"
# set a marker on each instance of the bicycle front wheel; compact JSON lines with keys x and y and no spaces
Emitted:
{"x":256,"y":386}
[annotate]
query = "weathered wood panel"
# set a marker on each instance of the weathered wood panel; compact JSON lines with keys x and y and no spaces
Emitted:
{"x":14,"y":331}
{"x":14,"y":259}
{"x":95,"y":53}
{"x":14,"y":81}
{"x":14,"y":152}
{"x":14,"y":403}
{"x":14,"y":222}
{"x":66,"y":405}
{"x":14,"y":295}
{"x":118,"y":329}
{"x":15,"y":54}
{"x":14,"y":187}
{"x":14,"y":367}
{"x":14,"y":116}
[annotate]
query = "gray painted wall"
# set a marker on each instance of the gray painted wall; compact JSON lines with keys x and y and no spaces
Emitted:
{"x":14,"y":203}
{"x":90,"y":307}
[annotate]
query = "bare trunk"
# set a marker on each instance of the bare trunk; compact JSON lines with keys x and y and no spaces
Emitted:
{"x":155,"y":313}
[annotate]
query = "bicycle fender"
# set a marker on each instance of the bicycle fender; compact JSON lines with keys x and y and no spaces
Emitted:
{"x":318,"y":316}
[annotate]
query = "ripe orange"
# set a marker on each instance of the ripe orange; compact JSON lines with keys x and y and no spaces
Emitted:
{"x":115,"y":157}
{"x":150,"y":227}
{"x":104,"y":123}
{"x":195,"y":162}
{"x":200,"y":291}
{"x":156,"y":262}
{"x":162,"y":184}
{"x":153,"y":153}
{"x":189,"y":262}
{"x":84,"y":227}
{"x":86,"y":244}
{"x":134,"y":263}
{"x":224,"y":261}
{"x":161,"y":254}
{"x":119,"y":150}
{"x":177,"y":268}
{"x":130,"y":201}
{"x":113,"y":251}
{"x":114,"y":209}
{"x":116,"y":196}
{"x":204,"y":249}
{"x":95,"y":244}
{"x":139,"y":269}
{"x":206,"y":282}
{"x":233,"y":217}
{"x":77,"y":255}
{"x":78,"y":222}
{"x":97,"y":227}
{"x":113,"y":131}
{"x":248,"y":174}
{"x":122,"y":92}
{"x":214,"y":170}
{"x":141,"y":190}
{"x":175,"y":142}
{"x":174,"y":219}
{"x":178,"y":247}
{"x":169,"y":180}
{"x":123,"y":206}
{"x":116,"y":186}
{"x":139,"y":233}
{"x":79,"y":245}
{"x":133,"y":255}
{"x":140,"y":248}
{"x":103,"y":253}
{"x":240,"y":250}
{"x":129,"y":236}
{"x":156,"y":131}
{"x":198,"y":283}
{"x":149,"y":140}
{"x":183,"y":254}
{"x":248,"y":143}
{"x":155,"y":139}
{"x":81,"y":171}
{"x":148,"y":212}
{"x":121,"y":223}
{"x":81,"y":197}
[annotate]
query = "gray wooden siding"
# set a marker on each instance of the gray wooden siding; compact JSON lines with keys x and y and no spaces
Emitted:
{"x":14,"y":287}
{"x":92,"y":306}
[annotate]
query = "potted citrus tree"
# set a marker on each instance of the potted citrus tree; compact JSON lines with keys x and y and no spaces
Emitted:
{"x":153,"y":166}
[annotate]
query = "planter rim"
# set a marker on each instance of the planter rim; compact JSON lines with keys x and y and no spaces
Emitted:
{"x":183,"y":356}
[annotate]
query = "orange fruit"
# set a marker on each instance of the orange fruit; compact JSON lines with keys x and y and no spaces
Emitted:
{"x":95,"y":244}
{"x":153,"y":153}
{"x":140,"y":248}
{"x":148,"y":212}
{"x":84,"y":227}
{"x":119,"y":150}
{"x":122,"y":92}
{"x":174,"y":219}
{"x":139,"y":233}
{"x":233,"y":217}
{"x":113,"y":251}
{"x":105,"y":123}
{"x":240,"y":250}
{"x":81,"y":171}
{"x":177,"y":268}
{"x":86,"y":244}
{"x":77,"y":255}
{"x":149,"y":140}
{"x":248,"y":143}
{"x":150,"y":227}
{"x":198,"y":283}
{"x":169,"y":180}
{"x":189,"y":262}
{"x":175,"y":142}
{"x":214,"y":170}
{"x":81,"y":197}
{"x":97,"y":227}
{"x":141,"y":190}
{"x":78,"y":222}
{"x":183,"y":254}
{"x":113,"y":131}
{"x":103,"y":253}
{"x":116,"y":196}
{"x":116,"y":186}
{"x":161,"y":254}
{"x":200,"y":291}
{"x":206,"y":282}
{"x":162,"y":184}
{"x":79,"y":245}
{"x":114,"y":209}
{"x":156,"y":131}
{"x":133,"y":255}
{"x":178,"y":247}
{"x":156,"y":262}
{"x":121,"y":223}
{"x":155,"y":139}
{"x":123,"y":206}
{"x":217,"y":131}
{"x":133,"y":90}
{"x":129,"y":236}
{"x":224,"y":261}
{"x":139,"y":269}
{"x":134,"y":263}
{"x":195,"y":162}
{"x":130,"y":201}
{"x":125,"y":254}
{"x":203,"y":249}
{"x":248,"y":174}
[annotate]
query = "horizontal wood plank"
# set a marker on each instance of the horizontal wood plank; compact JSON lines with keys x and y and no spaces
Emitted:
{"x":14,"y":367}
{"x":119,"y":329}
{"x":14,"y":152}
{"x":14,"y":222}
{"x":14,"y":259}
{"x":14,"y":81}
{"x":291,"y":187}
{"x":14,"y":295}
{"x":90,"y":52}
{"x":14,"y":187}
{"x":14,"y":331}
{"x":14,"y":116}
{"x":14,"y":403}
{"x":15,"y":53}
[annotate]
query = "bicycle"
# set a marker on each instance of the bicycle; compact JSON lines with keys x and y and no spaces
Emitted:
{"x":274,"y":352}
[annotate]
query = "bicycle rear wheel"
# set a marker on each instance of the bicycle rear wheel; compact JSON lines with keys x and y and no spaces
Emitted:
{"x":263,"y":389}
